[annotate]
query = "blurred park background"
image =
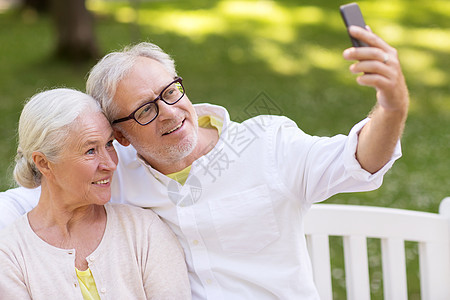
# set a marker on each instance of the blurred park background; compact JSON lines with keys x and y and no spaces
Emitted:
{"x":235,"y":53}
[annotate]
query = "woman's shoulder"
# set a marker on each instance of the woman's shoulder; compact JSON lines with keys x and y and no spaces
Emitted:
{"x":126,"y":212}
{"x":14,"y":234}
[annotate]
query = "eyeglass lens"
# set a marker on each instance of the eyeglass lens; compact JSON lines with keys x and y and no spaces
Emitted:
{"x":170,"y":95}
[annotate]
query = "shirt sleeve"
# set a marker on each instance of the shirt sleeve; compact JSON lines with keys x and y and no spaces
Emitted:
{"x":17,"y":202}
{"x":316,"y":168}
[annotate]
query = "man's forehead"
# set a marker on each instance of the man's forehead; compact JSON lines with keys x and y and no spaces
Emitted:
{"x":143,"y":83}
{"x":148,"y":72}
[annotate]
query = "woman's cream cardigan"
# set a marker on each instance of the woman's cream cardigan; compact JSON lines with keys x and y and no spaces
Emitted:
{"x":138,"y":258}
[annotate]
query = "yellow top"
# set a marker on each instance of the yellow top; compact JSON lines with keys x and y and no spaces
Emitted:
{"x":87,"y":285}
{"x":210,"y":122}
{"x":205,"y":122}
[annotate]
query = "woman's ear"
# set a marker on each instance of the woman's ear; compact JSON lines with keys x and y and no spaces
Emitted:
{"x":120,"y":137}
{"x":42,"y":163}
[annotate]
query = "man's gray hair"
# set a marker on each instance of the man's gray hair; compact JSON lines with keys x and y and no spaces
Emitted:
{"x":44,"y":126}
{"x":113,"y":67}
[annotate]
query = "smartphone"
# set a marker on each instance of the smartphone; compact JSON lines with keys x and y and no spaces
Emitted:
{"x":351,"y":14}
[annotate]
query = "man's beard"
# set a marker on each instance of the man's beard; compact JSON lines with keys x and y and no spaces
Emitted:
{"x":167,"y":154}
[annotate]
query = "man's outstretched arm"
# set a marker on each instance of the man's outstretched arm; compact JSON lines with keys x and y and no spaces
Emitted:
{"x":16,"y":202}
{"x":381,"y":70}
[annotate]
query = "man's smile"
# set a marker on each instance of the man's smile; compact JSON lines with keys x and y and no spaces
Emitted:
{"x":175,"y":128}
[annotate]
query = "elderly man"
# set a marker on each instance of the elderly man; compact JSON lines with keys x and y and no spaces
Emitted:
{"x":236,"y":194}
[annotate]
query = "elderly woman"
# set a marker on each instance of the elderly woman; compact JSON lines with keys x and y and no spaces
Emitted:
{"x":74,"y":244}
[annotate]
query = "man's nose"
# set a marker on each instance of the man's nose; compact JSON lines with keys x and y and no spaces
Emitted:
{"x":166,"y":111}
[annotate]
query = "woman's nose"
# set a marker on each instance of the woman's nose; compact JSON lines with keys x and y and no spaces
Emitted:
{"x":108,"y":162}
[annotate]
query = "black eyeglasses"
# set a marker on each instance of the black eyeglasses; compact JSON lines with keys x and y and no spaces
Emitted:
{"x":147,"y":112}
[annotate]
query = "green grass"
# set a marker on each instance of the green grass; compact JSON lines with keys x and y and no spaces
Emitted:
{"x":232,"y":52}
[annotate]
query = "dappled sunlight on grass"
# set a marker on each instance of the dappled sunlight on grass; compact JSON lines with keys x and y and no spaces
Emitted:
{"x":280,"y":33}
{"x":100,"y":7}
{"x":270,"y":27}
{"x":272,"y":54}
{"x":311,"y":56}
{"x":308,"y":15}
{"x":196,"y":25}
{"x":391,"y":32}
{"x":388,"y":9}
{"x":431,"y":38}
{"x":440,"y":7}
{"x":434,"y":77}
{"x":415,"y":62}
{"x":248,"y":10}
{"x":226,"y":18}
{"x":126,"y":15}
{"x":267,"y":24}
{"x":323,"y":58}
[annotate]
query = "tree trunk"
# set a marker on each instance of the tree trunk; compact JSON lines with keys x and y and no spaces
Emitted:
{"x":75,"y":30}
{"x":40,"y":6}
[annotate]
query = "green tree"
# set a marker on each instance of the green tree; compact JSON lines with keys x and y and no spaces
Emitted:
{"x":74,"y":27}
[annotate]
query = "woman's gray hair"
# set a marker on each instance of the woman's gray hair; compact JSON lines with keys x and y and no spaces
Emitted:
{"x":111,"y":69}
{"x":44,"y":126}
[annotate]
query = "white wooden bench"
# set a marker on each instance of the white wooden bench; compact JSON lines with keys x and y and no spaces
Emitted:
{"x":393,"y":227}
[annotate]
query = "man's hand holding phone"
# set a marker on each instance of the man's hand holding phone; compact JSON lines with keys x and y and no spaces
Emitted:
{"x":377,"y":60}
{"x":379,"y":64}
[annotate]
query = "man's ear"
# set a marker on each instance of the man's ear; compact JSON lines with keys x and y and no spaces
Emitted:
{"x":42,"y":163}
{"x":121,"y":138}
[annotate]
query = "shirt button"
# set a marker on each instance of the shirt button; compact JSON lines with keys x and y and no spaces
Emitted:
{"x":70,"y":252}
{"x":195,"y":242}
{"x":208,"y":281}
{"x":75,"y":284}
{"x":103,"y":290}
{"x":91,"y":258}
